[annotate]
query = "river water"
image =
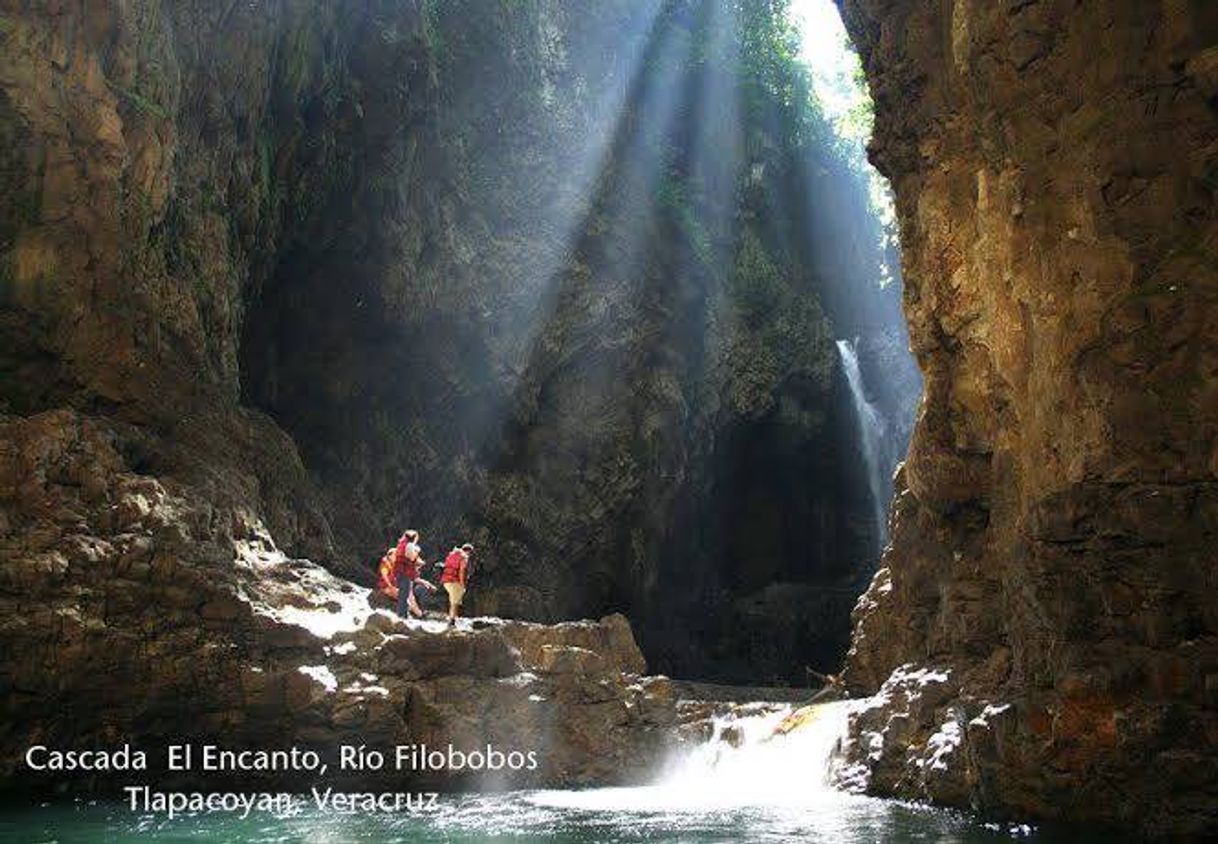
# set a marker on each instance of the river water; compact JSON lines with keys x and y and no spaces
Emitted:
{"x":747,"y":784}
{"x":531,"y":816}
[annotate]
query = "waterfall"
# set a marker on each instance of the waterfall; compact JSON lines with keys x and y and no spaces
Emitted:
{"x":871,"y":435}
{"x":755,"y":758}
{"x":751,"y":761}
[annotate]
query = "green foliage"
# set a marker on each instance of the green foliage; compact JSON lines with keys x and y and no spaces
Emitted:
{"x":788,"y":122}
{"x":140,"y":102}
{"x":859,"y":122}
{"x":671,"y":194}
{"x":148,"y":87}
{"x":757,"y":285}
{"x":432,"y":29}
{"x":296,"y":59}
{"x":777,"y":86}
{"x":774,"y":332}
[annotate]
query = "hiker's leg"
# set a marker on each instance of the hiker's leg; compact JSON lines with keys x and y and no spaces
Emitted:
{"x":403,"y":595}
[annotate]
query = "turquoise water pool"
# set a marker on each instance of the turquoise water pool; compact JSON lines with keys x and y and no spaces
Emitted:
{"x":599,"y":815}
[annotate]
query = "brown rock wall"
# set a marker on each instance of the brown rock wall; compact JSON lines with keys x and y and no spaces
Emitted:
{"x":1053,"y":541}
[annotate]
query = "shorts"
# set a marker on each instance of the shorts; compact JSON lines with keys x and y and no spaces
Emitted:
{"x":456,"y":592}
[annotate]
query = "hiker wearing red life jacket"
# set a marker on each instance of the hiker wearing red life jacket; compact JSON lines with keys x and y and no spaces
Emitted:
{"x":385,"y":578}
{"x":407,"y":562}
{"x":455,"y":577}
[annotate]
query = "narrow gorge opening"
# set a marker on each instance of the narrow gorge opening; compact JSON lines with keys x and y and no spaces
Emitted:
{"x":615,"y":296}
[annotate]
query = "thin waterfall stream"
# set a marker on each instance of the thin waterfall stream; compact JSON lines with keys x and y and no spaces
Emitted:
{"x":871,"y":430}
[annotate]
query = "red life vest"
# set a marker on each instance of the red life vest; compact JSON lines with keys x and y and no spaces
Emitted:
{"x":403,"y":564}
{"x":392,"y":565}
{"x":385,"y":580}
{"x":452,"y":566}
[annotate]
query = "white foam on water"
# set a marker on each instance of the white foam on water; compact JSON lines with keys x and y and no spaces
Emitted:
{"x":746,"y":763}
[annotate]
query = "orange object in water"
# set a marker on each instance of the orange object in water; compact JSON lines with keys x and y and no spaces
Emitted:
{"x":799,"y":718}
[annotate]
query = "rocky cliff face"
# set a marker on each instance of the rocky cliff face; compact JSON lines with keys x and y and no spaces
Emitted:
{"x":411,"y":263}
{"x":1044,"y":630}
{"x":128,"y":620}
{"x":141,"y":204}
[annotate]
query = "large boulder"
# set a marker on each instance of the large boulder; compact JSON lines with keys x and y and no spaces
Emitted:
{"x":421,"y":655}
{"x":611,"y":639}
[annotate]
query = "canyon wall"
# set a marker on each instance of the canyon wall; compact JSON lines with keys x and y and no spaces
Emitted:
{"x":1044,"y":630}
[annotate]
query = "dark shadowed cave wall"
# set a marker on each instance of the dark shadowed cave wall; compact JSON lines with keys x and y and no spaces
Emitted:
{"x":561,"y":281}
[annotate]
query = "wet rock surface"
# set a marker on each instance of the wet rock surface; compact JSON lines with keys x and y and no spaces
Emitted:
{"x":1051,"y":552}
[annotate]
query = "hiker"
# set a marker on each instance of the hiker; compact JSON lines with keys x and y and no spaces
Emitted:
{"x":384,"y":575}
{"x":456,"y":575}
{"x":407,"y":564}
